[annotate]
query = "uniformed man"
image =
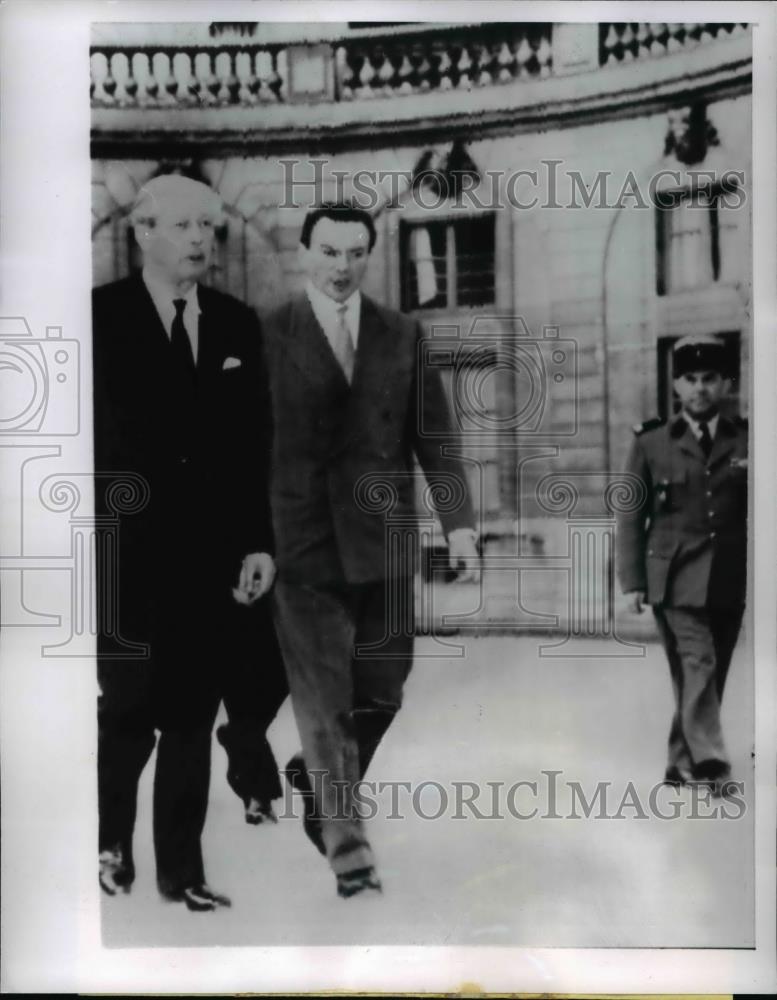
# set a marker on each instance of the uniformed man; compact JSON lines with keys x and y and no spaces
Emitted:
{"x":683,"y":550}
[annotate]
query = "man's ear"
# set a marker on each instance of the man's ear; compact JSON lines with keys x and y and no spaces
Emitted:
{"x":143,"y":234}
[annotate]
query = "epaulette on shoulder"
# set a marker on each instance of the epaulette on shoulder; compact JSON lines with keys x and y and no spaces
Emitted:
{"x":648,"y":425}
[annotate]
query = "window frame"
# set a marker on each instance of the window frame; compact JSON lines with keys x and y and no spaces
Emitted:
{"x":662,"y":235}
{"x":448,"y":218}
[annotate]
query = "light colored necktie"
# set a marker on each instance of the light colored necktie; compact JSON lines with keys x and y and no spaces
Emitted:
{"x":342,"y":344}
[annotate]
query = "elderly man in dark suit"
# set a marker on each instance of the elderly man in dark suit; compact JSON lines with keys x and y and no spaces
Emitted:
{"x":182,"y":406}
{"x":683,"y":550}
{"x":353,"y":401}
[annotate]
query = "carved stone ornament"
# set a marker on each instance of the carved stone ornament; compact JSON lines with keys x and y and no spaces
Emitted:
{"x":690,"y":134}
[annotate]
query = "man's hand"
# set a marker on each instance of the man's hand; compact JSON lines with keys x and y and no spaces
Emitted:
{"x":636,"y":601}
{"x":463,"y":555}
{"x":256,"y":577}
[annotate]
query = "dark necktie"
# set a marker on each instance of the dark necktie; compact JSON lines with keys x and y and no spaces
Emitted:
{"x":179,"y":339}
{"x":705,"y":439}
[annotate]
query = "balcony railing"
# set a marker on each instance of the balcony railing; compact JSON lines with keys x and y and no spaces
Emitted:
{"x":251,"y":73}
{"x":622,"y":42}
{"x":186,"y":76}
{"x":451,"y":58}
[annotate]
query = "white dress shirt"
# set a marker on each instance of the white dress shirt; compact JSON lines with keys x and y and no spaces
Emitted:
{"x":163,"y":297}
{"x":327,"y":312}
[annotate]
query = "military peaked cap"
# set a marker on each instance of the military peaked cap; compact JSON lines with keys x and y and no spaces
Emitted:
{"x":697,"y":354}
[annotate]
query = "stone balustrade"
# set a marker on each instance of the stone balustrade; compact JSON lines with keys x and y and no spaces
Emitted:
{"x":186,"y":76}
{"x":418,"y":59}
{"x":389,"y":64}
{"x":449,"y":58}
{"x":623,"y":42}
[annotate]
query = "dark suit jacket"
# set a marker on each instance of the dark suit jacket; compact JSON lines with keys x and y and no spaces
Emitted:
{"x":205,"y":465}
{"x":343,"y":467}
{"x":685,"y":545}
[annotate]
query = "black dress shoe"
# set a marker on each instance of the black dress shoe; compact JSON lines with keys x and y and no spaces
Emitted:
{"x":115,"y":874}
{"x":360,"y":879}
{"x":719,"y":788}
{"x":259,"y":811}
{"x":716,"y":776}
{"x":676,"y":778}
{"x":726,"y":788}
{"x":198,"y":898}
{"x":297,"y":776}
{"x":712,"y":770}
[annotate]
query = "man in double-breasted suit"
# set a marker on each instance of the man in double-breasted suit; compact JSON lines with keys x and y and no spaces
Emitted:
{"x":181,"y":410}
{"x":353,"y":401}
{"x":683,"y":549}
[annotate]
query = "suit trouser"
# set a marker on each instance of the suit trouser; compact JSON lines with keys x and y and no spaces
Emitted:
{"x":134,"y":701}
{"x":253,"y":686}
{"x":348,"y":650}
{"x":177,"y":692}
{"x":699,"y":644}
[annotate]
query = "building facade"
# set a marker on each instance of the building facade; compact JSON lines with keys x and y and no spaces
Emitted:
{"x":557,"y":203}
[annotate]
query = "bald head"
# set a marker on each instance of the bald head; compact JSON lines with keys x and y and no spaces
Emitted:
{"x":174,"y":219}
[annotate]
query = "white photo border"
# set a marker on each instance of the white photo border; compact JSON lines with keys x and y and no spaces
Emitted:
{"x":50,"y":914}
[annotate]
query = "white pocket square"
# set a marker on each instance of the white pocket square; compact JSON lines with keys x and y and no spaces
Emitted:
{"x":231,"y":363}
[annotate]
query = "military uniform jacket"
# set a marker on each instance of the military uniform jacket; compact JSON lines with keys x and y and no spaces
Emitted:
{"x":684,"y":540}
{"x":343,"y":469}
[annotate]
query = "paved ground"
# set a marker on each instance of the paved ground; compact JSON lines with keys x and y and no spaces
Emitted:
{"x":540,"y":601}
{"x":500,"y":713}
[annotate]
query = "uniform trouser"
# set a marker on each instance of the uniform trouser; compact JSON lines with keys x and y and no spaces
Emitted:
{"x":177,"y":692}
{"x":348,"y":650}
{"x":699,"y":644}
